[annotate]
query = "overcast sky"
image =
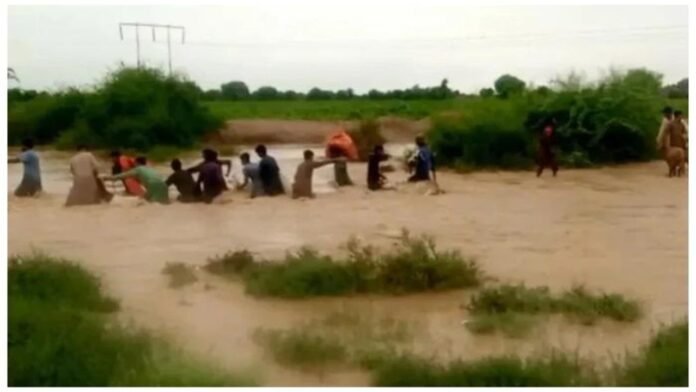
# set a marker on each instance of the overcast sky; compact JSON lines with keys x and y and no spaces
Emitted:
{"x":361,"y":46}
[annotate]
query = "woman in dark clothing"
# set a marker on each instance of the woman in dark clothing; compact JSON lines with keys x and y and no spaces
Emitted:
{"x":547,"y":141}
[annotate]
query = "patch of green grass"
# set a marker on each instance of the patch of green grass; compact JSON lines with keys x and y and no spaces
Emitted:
{"x":180,"y":274}
{"x":511,"y":371}
{"x":413,"y":265}
{"x":577,"y":303}
{"x":663,"y":362}
{"x":59,"y":334}
{"x":40,"y":277}
{"x":302,"y":348}
{"x":511,"y":324}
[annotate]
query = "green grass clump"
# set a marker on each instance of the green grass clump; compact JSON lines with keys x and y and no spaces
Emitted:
{"x":180,"y":274}
{"x":664,"y":362}
{"x":302,"y":348}
{"x":511,"y":324}
{"x":60,"y":334}
{"x":43,"y":278}
{"x":556,"y":370}
{"x":414,"y":265}
{"x":577,"y":302}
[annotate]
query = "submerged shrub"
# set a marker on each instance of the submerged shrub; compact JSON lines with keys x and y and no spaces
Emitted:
{"x":302,"y":348}
{"x":506,"y":301}
{"x":366,"y":136}
{"x":414,"y":265}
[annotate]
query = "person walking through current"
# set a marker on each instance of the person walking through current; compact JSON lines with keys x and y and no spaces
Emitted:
{"x":269,"y":172}
{"x":31,"y":179}
{"x":87,"y":187}
{"x":222,"y":162}
{"x":375,"y":179}
{"x":340,"y":167}
{"x":424,"y":162}
{"x":189,"y":192}
{"x":667,"y":115}
{"x":123,"y":163}
{"x":546,"y":156}
{"x":302,"y":187}
{"x":252,"y":177}
{"x":210,"y":179}
{"x":156,"y":189}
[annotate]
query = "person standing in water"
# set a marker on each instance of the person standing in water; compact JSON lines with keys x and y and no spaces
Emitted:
{"x":189,"y":192}
{"x":375,"y":179}
{"x":251,"y":176}
{"x":340,"y":167}
{"x":156,"y":189}
{"x":210,"y":178}
{"x":302,"y":187}
{"x":424,"y":162}
{"x":222,"y":162}
{"x":31,"y":179}
{"x":87,"y":187}
{"x":269,"y":173}
{"x":123,"y":163}
{"x":546,"y":156}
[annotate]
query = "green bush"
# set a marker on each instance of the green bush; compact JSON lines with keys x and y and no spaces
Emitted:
{"x":59,"y":334}
{"x":489,"y":133}
{"x":366,"y":137}
{"x":664,"y":362}
{"x":414,"y":265}
{"x":133,"y":108}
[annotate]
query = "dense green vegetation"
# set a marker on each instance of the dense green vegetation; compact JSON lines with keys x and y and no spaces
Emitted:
{"x":614,"y":120}
{"x":415,"y":265}
{"x":60,"y":334}
{"x":131,"y":108}
{"x":382,"y":349}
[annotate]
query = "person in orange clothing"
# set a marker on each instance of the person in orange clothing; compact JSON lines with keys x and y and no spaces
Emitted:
{"x":123,"y":163}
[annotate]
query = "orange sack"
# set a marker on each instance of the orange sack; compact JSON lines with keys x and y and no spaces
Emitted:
{"x":342,"y":140}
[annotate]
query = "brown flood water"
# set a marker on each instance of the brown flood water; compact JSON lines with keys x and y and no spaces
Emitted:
{"x":620,"y":229}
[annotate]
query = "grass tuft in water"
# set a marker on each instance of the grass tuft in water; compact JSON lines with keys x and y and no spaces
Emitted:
{"x":413,"y":265}
{"x":511,"y":324}
{"x":302,"y":348}
{"x":494,"y":308}
{"x":180,"y":274}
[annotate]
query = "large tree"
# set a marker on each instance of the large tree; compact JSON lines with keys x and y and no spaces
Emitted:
{"x":235,"y":90}
{"x":508,"y":85}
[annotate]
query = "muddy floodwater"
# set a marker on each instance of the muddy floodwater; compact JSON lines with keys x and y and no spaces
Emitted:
{"x":618,"y":229}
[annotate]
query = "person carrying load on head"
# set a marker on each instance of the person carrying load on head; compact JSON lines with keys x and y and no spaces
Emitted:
{"x":340,"y":144}
{"x":124,"y":163}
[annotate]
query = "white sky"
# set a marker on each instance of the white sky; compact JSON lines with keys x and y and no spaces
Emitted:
{"x":360,"y":46}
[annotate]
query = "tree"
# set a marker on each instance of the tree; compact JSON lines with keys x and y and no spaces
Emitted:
{"x":508,"y":85}
{"x":266,"y":93}
{"x":677,"y":90}
{"x":486,"y":92}
{"x":235,"y":90}
{"x":316,"y":94}
{"x":212,"y":95}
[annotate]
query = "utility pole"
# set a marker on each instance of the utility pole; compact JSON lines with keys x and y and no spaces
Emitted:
{"x":153,"y":27}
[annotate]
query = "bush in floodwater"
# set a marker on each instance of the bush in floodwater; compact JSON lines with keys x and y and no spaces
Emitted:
{"x":180,"y":274}
{"x":512,"y":371}
{"x":414,"y":265}
{"x":59,"y":334}
{"x":663,"y":362}
{"x":302,"y":348}
{"x":366,"y":136}
{"x":494,"y":306}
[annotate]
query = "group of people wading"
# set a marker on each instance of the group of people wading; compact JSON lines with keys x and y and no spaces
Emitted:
{"x":263,"y":178}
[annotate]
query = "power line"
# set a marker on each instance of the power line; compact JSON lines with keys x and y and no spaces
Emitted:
{"x":153,"y":27}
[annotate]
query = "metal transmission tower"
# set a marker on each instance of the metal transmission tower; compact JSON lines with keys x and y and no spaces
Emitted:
{"x":153,"y":27}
